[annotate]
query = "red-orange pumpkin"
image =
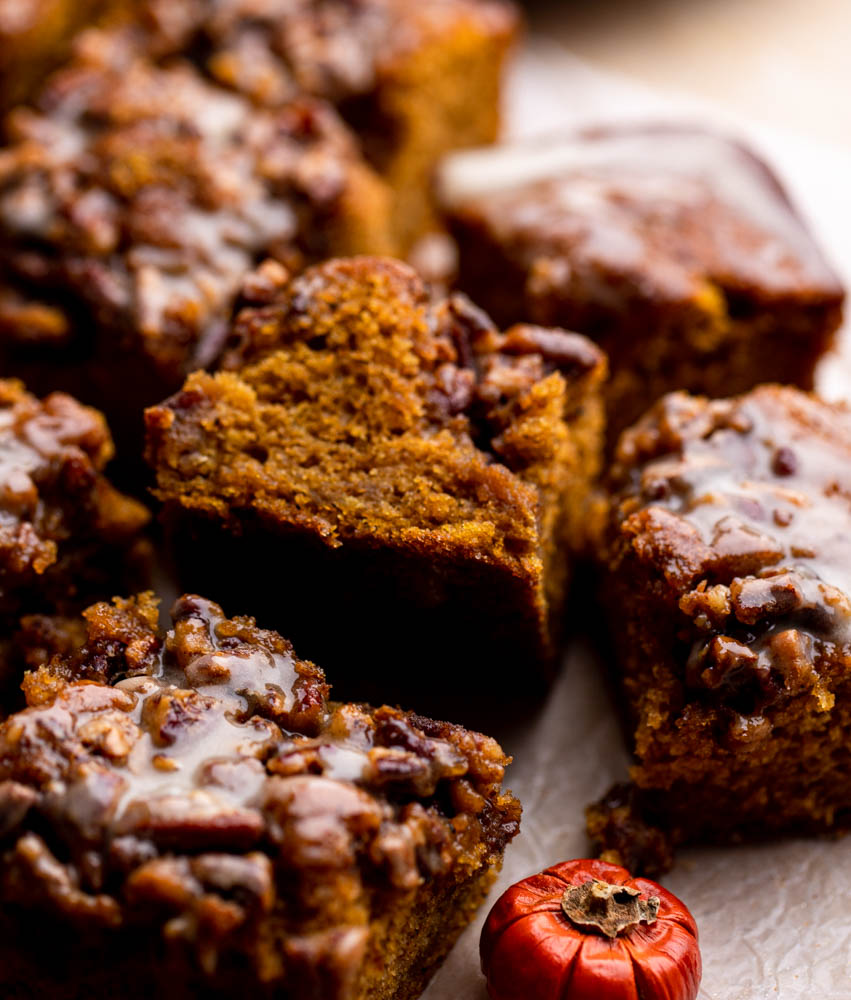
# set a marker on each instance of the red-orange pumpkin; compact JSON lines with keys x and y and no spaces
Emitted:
{"x":625,"y":938}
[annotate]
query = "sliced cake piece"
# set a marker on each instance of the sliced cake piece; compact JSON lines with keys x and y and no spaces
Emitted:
{"x":727,"y":579}
{"x":391,"y":456}
{"x":414,"y":80}
{"x":134,"y":201}
{"x":188,"y":814}
{"x":67,"y":536}
{"x":674,"y":248}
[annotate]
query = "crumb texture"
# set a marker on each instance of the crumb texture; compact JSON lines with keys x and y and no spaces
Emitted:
{"x":348,"y":406}
{"x":360,"y":413}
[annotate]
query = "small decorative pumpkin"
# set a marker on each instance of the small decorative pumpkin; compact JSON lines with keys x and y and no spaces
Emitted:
{"x":587,"y":930}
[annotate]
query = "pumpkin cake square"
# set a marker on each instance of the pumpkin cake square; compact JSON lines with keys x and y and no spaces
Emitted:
{"x":413,"y":80}
{"x":725,"y":576}
{"x":133,"y":201}
{"x":424,"y":473}
{"x":67,"y":536}
{"x":675,"y":249}
{"x":189,"y":814}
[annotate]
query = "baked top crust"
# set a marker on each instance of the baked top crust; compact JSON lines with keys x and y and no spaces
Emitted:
{"x":659,"y":212}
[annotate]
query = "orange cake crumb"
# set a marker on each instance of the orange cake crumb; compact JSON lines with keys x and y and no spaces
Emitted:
{"x":400,"y":453}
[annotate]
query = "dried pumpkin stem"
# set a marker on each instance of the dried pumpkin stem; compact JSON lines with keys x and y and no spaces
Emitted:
{"x":608,"y":909}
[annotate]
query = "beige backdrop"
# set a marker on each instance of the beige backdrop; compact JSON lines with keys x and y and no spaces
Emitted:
{"x":784,"y":62}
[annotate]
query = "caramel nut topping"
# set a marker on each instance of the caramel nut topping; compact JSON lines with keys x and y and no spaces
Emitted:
{"x":144,"y":194}
{"x":742,"y":506}
{"x":197,"y":772}
{"x":617,"y":214}
{"x":60,"y":519}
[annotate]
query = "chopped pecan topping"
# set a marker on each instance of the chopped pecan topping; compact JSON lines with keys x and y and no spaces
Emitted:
{"x":155,"y":245}
{"x":214,"y":771}
{"x":31,"y":871}
{"x":748,"y":530}
{"x":64,"y":530}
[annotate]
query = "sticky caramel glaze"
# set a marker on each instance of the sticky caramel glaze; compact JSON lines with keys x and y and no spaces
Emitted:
{"x":674,"y":248}
{"x":200,"y":792}
{"x":727,"y":570}
{"x":372,"y":434}
{"x":66,"y":535}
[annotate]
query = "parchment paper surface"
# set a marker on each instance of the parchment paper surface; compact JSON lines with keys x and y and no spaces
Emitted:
{"x":775,"y":920}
